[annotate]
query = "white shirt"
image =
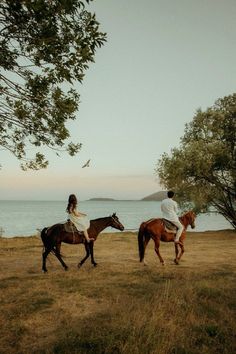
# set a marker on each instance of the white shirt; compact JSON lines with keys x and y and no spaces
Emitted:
{"x":169,"y":209}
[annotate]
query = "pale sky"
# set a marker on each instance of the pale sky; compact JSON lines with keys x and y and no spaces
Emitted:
{"x":163,"y":60}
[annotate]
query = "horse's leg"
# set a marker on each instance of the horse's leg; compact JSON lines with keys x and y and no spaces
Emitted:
{"x":58,"y":255}
{"x":86,"y":245}
{"x":176,"y":253}
{"x":157,"y":245}
{"x":91,"y":251}
{"x":180,"y":254}
{"x":44,"y":257}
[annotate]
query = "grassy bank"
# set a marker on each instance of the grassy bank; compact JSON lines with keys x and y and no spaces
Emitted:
{"x":120,"y":306}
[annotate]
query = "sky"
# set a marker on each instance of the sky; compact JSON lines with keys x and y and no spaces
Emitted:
{"x":163,"y":60}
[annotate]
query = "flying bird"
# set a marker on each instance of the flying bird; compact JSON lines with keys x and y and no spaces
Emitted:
{"x":86,"y":164}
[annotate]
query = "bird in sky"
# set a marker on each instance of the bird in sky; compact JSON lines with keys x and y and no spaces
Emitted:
{"x":86,"y":164}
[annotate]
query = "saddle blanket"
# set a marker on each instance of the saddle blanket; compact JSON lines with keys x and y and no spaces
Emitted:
{"x":169,"y":226}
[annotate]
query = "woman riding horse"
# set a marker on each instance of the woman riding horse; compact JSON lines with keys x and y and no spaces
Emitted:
{"x":53,"y":236}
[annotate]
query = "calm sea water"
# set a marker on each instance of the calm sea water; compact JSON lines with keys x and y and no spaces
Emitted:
{"x":22,"y":218}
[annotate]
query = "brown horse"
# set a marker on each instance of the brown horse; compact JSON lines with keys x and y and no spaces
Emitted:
{"x":53,"y":236}
{"x":155,"y":229}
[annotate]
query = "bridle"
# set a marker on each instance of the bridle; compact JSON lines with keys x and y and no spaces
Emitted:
{"x":117,"y":223}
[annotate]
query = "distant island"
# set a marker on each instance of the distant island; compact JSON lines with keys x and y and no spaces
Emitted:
{"x":101,"y":199}
{"x":158,"y":196}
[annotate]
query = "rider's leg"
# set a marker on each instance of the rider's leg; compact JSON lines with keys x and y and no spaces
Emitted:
{"x":179,"y":231}
{"x":87,"y":236}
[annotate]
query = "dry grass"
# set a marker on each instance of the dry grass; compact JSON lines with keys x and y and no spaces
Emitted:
{"x":120,"y":306}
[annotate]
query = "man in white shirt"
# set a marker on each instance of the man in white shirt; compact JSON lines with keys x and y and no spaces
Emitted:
{"x":169,"y":210}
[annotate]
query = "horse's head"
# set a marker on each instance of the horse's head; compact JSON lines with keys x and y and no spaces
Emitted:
{"x":115,"y":222}
{"x":188,"y":219}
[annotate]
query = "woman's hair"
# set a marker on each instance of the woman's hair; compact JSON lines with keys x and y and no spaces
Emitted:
{"x":72,"y":202}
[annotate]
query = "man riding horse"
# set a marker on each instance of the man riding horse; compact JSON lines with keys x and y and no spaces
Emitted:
{"x":169,"y":210}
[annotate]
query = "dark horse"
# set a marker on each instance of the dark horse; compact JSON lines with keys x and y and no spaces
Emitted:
{"x":155,"y":229}
{"x":53,"y":236}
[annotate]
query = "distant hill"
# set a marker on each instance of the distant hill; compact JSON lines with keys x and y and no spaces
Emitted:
{"x":101,"y":199}
{"x":158,"y":196}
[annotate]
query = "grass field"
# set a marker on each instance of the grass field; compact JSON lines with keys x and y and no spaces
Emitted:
{"x":121,"y":306}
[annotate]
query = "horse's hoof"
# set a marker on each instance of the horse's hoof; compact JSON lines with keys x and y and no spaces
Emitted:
{"x":95,"y":264}
{"x":163,"y":264}
{"x":79,"y":265}
{"x":66,"y":268}
{"x":44,"y":271}
{"x":176,"y":262}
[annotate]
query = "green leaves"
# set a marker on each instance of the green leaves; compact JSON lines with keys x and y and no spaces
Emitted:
{"x":203,"y":169}
{"x":45,"y":44}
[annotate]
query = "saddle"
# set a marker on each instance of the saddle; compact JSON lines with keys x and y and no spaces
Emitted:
{"x":169,"y":226}
{"x":70,"y":227}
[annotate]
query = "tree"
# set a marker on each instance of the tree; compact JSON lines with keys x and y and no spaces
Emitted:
{"x":46,"y":45}
{"x":203,"y":168}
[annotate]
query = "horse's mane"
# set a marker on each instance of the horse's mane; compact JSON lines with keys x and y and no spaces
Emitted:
{"x":186,"y":213}
{"x":189,"y":214}
{"x":105,"y":217}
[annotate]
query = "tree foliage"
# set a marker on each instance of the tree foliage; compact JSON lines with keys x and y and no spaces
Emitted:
{"x":203,"y":169}
{"x":46,"y":46}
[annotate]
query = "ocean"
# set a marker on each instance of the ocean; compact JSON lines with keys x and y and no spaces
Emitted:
{"x":23,"y":218}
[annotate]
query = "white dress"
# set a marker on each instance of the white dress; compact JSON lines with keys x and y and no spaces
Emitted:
{"x":81,"y":222}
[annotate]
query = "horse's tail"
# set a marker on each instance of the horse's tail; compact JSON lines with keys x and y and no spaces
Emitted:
{"x":143,"y":238}
{"x":49,"y":242}
{"x":43,"y":235}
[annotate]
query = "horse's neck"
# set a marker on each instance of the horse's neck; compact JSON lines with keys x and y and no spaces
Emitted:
{"x":185,"y":221}
{"x":100,"y":224}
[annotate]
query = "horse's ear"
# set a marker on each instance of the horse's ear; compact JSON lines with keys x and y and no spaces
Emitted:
{"x":114,"y":215}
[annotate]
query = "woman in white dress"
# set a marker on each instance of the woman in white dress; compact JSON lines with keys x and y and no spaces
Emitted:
{"x":79,"y":219}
